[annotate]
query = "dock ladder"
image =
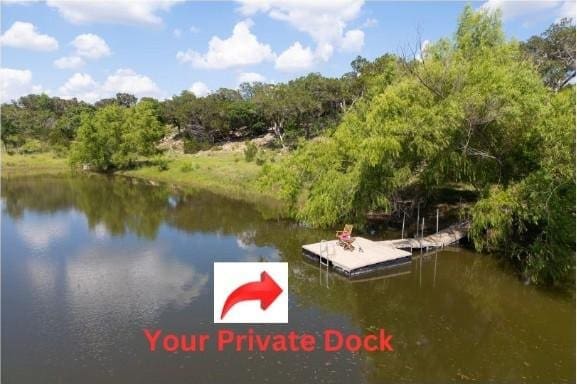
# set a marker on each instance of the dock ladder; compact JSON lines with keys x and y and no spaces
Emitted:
{"x":324,"y":254}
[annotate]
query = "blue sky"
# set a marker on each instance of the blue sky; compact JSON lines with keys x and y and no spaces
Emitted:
{"x":92,"y":50}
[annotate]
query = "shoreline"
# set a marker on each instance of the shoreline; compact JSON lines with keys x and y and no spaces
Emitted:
{"x":209,"y":171}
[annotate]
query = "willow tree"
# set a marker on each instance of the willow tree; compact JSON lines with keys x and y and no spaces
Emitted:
{"x":532,"y":221}
{"x":462,"y":112}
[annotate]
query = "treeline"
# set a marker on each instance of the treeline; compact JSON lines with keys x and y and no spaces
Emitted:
{"x":299,"y":109}
{"x":474,"y":109}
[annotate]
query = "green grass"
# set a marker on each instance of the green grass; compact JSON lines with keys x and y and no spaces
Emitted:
{"x":39,"y":163}
{"x":225,"y":173}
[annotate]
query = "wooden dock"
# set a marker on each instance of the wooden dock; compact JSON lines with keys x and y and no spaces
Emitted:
{"x":367,"y":257}
{"x":371,"y":256}
{"x":447,"y":236}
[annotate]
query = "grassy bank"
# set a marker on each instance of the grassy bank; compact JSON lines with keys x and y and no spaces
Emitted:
{"x":225,"y":173}
{"x":33,"y":164}
{"x":221,"y":172}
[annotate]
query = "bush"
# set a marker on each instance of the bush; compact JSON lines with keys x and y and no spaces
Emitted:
{"x":260,"y":159}
{"x":250,"y":151}
{"x":161,"y":163}
{"x":194,"y":145}
{"x":31,"y":146}
{"x":60,"y":150}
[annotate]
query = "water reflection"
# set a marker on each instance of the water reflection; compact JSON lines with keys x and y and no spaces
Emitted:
{"x":39,"y":233}
{"x":89,"y":261}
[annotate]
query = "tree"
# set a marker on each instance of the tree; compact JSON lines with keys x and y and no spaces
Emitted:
{"x":126,"y":99}
{"x":114,"y":136}
{"x":68,"y":123}
{"x":554,"y":53}
{"x":273,"y":103}
{"x":532,"y":221}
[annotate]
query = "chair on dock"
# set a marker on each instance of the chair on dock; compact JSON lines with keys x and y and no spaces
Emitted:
{"x":345,"y":239}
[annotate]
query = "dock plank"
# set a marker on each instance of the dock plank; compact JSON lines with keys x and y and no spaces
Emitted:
{"x":367,"y":253}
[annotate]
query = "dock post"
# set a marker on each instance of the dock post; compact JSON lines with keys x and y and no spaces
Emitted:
{"x":418,"y":217}
{"x":403,"y":229}
{"x":423,"y":229}
{"x":437,"y":220}
{"x":435,"y":271}
{"x":422,"y":237}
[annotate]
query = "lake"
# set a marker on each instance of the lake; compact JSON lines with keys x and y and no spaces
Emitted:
{"x":88,"y":262}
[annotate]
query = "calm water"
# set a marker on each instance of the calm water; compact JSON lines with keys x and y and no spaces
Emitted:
{"x":87,"y":263}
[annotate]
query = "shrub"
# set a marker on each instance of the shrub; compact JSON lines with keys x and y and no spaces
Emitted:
{"x":250,"y":151}
{"x":31,"y":146}
{"x":194,"y":145}
{"x":260,"y":159}
{"x":161,"y":163}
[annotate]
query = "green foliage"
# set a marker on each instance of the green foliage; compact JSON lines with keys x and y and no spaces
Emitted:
{"x":533,"y":221}
{"x":260,"y":159}
{"x":51,"y":120}
{"x":192,"y":145}
{"x":161,"y":163}
{"x":114,"y":137}
{"x":32,"y":146}
{"x":250,"y":151}
{"x":478,"y":30}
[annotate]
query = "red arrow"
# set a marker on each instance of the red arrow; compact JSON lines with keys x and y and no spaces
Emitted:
{"x":266,"y":290}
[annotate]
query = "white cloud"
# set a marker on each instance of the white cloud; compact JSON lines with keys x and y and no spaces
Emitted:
{"x":91,"y":46}
{"x":295,"y":58}
{"x":567,"y":10}
{"x":139,"y":287}
{"x":69,"y":62}
{"x":16,"y":2}
{"x":24,"y":35}
{"x":116,"y":12}
{"x":324,"y":51}
{"x":353,"y":40}
{"x":15,"y":83}
{"x":126,"y":80}
{"x":241,"y":48}
{"x":199,"y":89}
{"x":177,"y":33}
{"x":82,"y":86}
{"x":530,"y":9}
{"x":41,"y":232}
{"x":324,"y":20}
{"x":251,"y":77}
